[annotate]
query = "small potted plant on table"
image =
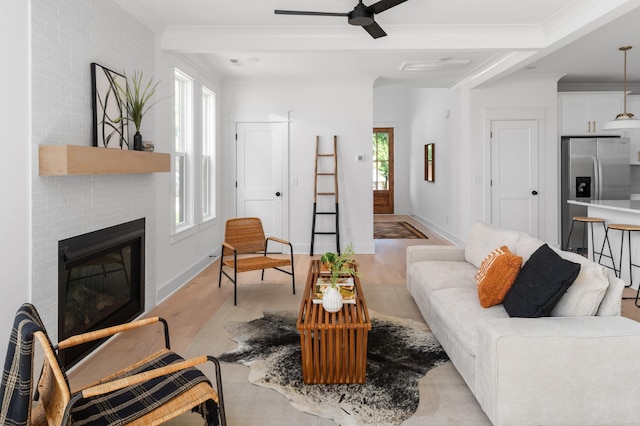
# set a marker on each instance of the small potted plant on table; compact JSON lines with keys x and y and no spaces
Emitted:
{"x":338,"y":265}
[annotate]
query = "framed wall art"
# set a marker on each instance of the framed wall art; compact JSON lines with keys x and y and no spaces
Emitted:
{"x":430,"y":162}
{"x":110,"y":130}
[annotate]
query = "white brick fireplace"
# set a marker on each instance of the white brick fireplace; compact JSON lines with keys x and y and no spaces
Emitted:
{"x":68,"y":37}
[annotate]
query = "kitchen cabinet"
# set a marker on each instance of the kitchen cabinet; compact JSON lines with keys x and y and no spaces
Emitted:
{"x":584,"y":113}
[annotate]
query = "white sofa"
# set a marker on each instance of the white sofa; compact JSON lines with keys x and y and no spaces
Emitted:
{"x":558,"y":370}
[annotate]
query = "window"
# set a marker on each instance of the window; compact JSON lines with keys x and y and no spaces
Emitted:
{"x":207,"y":154}
{"x":183,"y":149}
{"x":194,"y":154}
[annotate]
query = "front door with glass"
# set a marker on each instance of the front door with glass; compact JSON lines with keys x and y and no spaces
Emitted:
{"x":383,"y":170}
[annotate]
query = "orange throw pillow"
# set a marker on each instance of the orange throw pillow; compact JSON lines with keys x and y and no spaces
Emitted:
{"x":496,"y":275}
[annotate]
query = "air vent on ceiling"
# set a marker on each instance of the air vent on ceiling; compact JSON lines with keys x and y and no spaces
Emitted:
{"x":236,"y":62}
{"x":434,"y":64}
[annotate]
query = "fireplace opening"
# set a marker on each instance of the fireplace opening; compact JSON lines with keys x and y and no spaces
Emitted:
{"x":100,"y":283}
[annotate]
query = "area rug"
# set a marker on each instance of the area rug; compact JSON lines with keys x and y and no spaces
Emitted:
{"x":395,"y":230}
{"x":400,"y":352}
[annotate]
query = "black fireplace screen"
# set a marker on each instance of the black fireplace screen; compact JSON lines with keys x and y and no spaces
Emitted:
{"x":101,"y":282}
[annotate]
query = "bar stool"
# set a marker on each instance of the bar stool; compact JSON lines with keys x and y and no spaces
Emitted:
{"x":623,"y":227}
{"x":586,"y":220}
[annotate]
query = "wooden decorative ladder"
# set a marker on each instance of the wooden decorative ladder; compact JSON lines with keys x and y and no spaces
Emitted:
{"x":326,"y":174}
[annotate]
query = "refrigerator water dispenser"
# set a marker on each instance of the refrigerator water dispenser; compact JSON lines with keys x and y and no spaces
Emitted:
{"x":583,"y":186}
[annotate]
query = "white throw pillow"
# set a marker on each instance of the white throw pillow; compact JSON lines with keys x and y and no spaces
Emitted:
{"x":583,"y":298}
{"x":483,"y":239}
{"x":611,"y":305}
{"x":526,"y":246}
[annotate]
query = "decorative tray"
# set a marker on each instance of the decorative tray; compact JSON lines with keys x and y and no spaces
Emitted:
{"x":345,"y":285}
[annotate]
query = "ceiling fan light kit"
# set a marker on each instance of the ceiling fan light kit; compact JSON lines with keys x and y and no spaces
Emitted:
{"x":624,"y":121}
{"x":361,"y":15}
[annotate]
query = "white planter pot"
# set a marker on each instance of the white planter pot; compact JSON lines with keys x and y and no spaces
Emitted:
{"x":332,"y":300}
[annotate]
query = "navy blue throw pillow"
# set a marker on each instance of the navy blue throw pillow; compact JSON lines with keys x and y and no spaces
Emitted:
{"x":542,"y":281}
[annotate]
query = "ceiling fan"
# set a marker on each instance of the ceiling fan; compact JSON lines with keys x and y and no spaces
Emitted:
{"x":361,"y":15}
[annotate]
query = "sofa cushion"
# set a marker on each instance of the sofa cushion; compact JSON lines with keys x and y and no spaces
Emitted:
{"x":483,"y":238}
{"x":543,"y":280}
{"x":526,"y":246}
{"x":584,"y":296}
{"x":496,"y":275}
{"x":431,"y":275}
{"x":458,"y":309}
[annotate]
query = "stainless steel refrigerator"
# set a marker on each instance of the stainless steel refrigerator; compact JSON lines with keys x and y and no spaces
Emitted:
{"x":592,"y":169}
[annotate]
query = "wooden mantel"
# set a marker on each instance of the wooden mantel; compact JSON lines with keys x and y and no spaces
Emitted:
{"x":71,"y":160}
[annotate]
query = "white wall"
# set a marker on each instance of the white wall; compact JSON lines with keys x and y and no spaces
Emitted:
{"x":317,"y":107}
{"x":455,"y":122}
{"x":182,"y":256}
{"x":15,"y":185}
{"x":424,"y":116}
{"x":518,"y":94}
{"x":434,"y":203}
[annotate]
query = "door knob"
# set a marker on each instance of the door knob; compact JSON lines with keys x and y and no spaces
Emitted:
{"x":278,"y":194}
{"x":534,"y":192}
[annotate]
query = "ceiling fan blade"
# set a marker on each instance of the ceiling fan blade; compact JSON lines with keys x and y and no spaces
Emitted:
{"x":383,"y":5}
{"x":374,"y":30}
{"x":296,"y":12}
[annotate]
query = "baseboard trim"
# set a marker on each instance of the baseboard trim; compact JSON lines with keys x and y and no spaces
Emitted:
{"x":182,"y":279}
{"x":438,"y":230}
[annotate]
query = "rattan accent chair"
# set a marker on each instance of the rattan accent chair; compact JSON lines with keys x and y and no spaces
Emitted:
{"x":245,"y":236}
{"x":149,"y":392}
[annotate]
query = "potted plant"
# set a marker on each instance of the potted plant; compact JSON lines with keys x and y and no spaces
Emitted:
{"x":135,"y":98}
{"x":338,"y":265}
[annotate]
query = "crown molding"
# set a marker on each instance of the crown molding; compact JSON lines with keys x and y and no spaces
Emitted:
{"x":343,"y":37}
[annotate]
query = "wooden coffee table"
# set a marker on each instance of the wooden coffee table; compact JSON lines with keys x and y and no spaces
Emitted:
{"x":334,"y":345}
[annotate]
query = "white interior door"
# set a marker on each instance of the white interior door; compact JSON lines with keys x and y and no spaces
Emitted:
{"x":514,"y":175}
{"x":260,"y":172}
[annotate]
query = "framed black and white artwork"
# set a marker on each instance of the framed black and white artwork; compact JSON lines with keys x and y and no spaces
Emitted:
{"x":110,"y":129}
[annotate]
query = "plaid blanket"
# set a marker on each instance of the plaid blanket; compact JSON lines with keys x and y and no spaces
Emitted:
{"x":15,"y":391}
{"x":115,"y":408}
{"x":125,"y":405}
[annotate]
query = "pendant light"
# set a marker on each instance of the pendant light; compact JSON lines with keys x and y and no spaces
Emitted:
{"x":624,"y":121}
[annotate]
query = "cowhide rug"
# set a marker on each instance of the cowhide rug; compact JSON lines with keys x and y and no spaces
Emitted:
{"x":400,"y":352}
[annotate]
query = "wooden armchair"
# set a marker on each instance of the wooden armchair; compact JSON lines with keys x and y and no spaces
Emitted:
{"x":148,"y":392}
{"x":245,"y":236}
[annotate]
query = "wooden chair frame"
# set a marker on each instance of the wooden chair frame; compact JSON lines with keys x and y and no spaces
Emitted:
{"x":56,"y":400}
{"x":245,"y":236}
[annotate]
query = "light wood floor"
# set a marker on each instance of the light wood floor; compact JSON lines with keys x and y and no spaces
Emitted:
{"x":193,"y":305}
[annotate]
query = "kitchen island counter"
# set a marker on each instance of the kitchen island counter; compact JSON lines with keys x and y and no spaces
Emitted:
{"x":629,"y":206}
{"x":616,"y":211}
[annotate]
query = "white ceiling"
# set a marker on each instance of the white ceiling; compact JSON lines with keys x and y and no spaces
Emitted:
{"x":575,"y":38}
